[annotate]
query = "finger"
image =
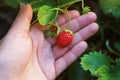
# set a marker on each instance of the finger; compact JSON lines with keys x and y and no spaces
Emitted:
{"x":37,"y":37}
{"x":61,"y":20}
{"x":81,"y":35}
{"x":70,"y":57}
{"x":80,"y":22}
{"x":77,"y":23}
{"x":22,"y":21}
{"x":64,"y":18}
{"x":45,"y":59}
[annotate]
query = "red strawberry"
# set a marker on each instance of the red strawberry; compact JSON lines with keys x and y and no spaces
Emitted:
{"x":64,"y":38}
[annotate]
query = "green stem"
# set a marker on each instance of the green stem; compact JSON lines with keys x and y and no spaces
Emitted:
{"x":82,"y":4}
{"x":66,"y":12}
{"x":110,"y":49}
{"x":59,"y":9}
{"x":34,"y":22}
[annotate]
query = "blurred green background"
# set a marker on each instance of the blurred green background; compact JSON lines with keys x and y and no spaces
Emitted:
{"x":106,"y":39}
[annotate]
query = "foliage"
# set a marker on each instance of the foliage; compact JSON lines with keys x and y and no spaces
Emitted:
{"x":12,"y":3}
{"x":66,"y":3}
{"x":36,"y":4}
{"x":95,"y":60}
{"x":49,"y":9}
{"x":47,"y":14}
{"x":100,"y":65}
{"x":25,"y":1}
{"x":111,"y":6}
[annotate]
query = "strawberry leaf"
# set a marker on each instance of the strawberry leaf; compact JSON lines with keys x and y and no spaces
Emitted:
{"x":93,"y":61}
{"x":118,"y":63}
{"x":111,"y":6}
{"x":110,"y":72}
{"x":38,"y":3}
{"x":46,"y":15}
{"x":66,"y":3}
{"x":11,"y":3}
{"x":25,"y":1}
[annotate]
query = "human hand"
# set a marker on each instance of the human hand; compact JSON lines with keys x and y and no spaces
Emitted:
{"x":26,"y":54}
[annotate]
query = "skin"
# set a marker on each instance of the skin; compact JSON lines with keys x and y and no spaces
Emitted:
{"x":26,"y":54}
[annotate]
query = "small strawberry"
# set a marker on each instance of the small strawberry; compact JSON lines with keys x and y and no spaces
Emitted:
{"x":86,"y":10}
{"x":64,"y":38}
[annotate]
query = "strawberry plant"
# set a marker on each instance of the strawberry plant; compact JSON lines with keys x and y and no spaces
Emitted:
{"x":48,"y":10}
{"x":47,"y":13}
{"x":111,"y":7}
{"x":101,"y":66}
{"x":11,"y":3}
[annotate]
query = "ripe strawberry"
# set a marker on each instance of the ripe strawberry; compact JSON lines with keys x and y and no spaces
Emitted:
{"x":64,"y":38}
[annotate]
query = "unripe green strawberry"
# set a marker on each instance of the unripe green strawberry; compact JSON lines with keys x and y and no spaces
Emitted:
{"x":64,"y":38}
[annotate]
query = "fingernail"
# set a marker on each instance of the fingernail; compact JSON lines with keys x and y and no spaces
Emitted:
{"x":22,"y":5}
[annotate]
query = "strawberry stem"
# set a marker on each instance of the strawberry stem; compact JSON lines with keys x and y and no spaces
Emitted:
{"x":34,"y":22}
{"x":66,"y":12}
{"x":59,"y":9}
{"x":82,"y":4}
{"x":58,"y":28}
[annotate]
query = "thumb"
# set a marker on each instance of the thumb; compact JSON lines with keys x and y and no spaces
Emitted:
{"x":22,"y":21}
{"x":15,"y":48}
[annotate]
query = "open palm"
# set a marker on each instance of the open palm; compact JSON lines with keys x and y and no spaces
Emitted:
{"x":26,"y":54}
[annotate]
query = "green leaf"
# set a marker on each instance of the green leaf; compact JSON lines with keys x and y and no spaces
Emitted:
{"x":46,"y":15}
{"x":39,"y":3}
{"x":118,"y":63}
{"x":66,"y":3}
{"x":104,"y":73}
{"x":111,"y":6}
{"x":12,"y":3}
{"x":25,"y":1}
{"x":36,"y":5}
{"x":109,"y":73}
{"x":93,"y":61}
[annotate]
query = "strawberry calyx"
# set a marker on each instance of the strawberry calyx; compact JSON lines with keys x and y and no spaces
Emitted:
{"x":86,"y":10}
{"x":66,"y":30}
